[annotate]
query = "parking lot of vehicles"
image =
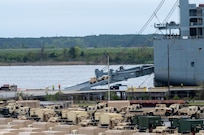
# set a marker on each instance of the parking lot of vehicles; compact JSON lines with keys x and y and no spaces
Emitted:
{"x":114,"y":115}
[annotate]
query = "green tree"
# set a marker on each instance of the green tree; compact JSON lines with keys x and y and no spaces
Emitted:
{"x":65,"y":54}
{"x":176,"y":97}
{"x":42,"y":53}
{"x":72,"y":52}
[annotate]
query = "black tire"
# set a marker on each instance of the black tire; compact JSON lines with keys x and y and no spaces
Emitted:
{"x":151,"y":114}
{"x":197,"y":116}
{"x":193,"y":116}
{"x":167,"y":114}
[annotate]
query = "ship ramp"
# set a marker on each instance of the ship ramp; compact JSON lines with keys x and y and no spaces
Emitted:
{"x":122,"y":74}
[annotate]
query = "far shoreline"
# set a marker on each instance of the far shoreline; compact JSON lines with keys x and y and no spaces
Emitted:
{"x":49,"y":63}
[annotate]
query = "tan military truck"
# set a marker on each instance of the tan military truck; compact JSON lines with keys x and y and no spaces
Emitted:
{"x":41,"y":114}
{"x":175,"y":108}
{"x":160,"y":110}
{"x":55,"y":107}
{"x":95,"y":108}
{"x":195,"y":112}
{"x":164,"y":130}
{"x":11,"y":107}
{"x":95,"y":112}
{"x":104,"y":77}
{"x":16,"y":109}
{"x":134,"y":107}
{"x":110,"y":120}
{"x":22,"y":111}
{"x":131,"y":111}
{"x":183,"y":111}
{"x":75,"y":117}
{"x":64,"y":114}
{"x":93,"y":80}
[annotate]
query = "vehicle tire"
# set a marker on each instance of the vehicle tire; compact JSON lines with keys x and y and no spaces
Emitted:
{"x":197,"y":116}
{"x":167,"y":114}
{"x":193,"y":116}
{"x":151,"y":114}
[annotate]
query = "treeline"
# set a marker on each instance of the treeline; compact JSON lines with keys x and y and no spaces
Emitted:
{"x":99,"y":41}
{"x":119,"y":55}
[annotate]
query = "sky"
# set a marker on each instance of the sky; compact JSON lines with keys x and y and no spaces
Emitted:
{"x":51,"y":18}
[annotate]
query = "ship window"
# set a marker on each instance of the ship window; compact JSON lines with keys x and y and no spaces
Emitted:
{"x":200,"y":49}
{"x":192,"y":64}
{"x":193,"y":32}
{"x":193,"y":12}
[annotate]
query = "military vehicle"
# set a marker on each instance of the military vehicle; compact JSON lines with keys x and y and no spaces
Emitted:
{"x":161,"y":110}
{"x":110,"y":120}
{"x":93,"y":80}
{"x":94,"y":108}
{"x":148,"y":123}
{"x":41,"y":114}
{"x":190,"y":125}
{"x":175,"y":121}
{"x":14,"y":110}
{"x":163,"y":130}
{"x":55,"y":107}
{"x":195,"y":112}
{"x":192,"y":111}
{"x":131,"y":111}
{"x":175,"y":108}
{"x":75,"y":117}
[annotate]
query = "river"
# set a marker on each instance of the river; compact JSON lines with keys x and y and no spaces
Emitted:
{"x":41,"y":77}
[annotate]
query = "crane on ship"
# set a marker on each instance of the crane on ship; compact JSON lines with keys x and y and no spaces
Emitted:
{"x":122,"y":74}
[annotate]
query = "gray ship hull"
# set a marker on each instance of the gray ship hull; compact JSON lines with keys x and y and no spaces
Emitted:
{"x":179,"y":61}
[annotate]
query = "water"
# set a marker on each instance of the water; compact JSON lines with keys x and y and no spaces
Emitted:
{"x":41,"y":77}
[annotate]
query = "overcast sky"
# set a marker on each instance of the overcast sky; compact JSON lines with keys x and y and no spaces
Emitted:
{"x":48,"y":18}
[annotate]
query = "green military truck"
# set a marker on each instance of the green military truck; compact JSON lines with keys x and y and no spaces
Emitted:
{"x":148,"y":123}
{"x":190,"y":125}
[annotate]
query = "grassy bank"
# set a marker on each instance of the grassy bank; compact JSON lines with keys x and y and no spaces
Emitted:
{"x":197,"y":102}
{"x":75,"y":56}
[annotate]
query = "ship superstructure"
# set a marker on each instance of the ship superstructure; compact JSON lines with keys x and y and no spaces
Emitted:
{"x":179,"y":57}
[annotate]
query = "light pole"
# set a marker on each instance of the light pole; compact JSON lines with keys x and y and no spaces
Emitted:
{"x":108,"y":80}
{"x":168,"y":72}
